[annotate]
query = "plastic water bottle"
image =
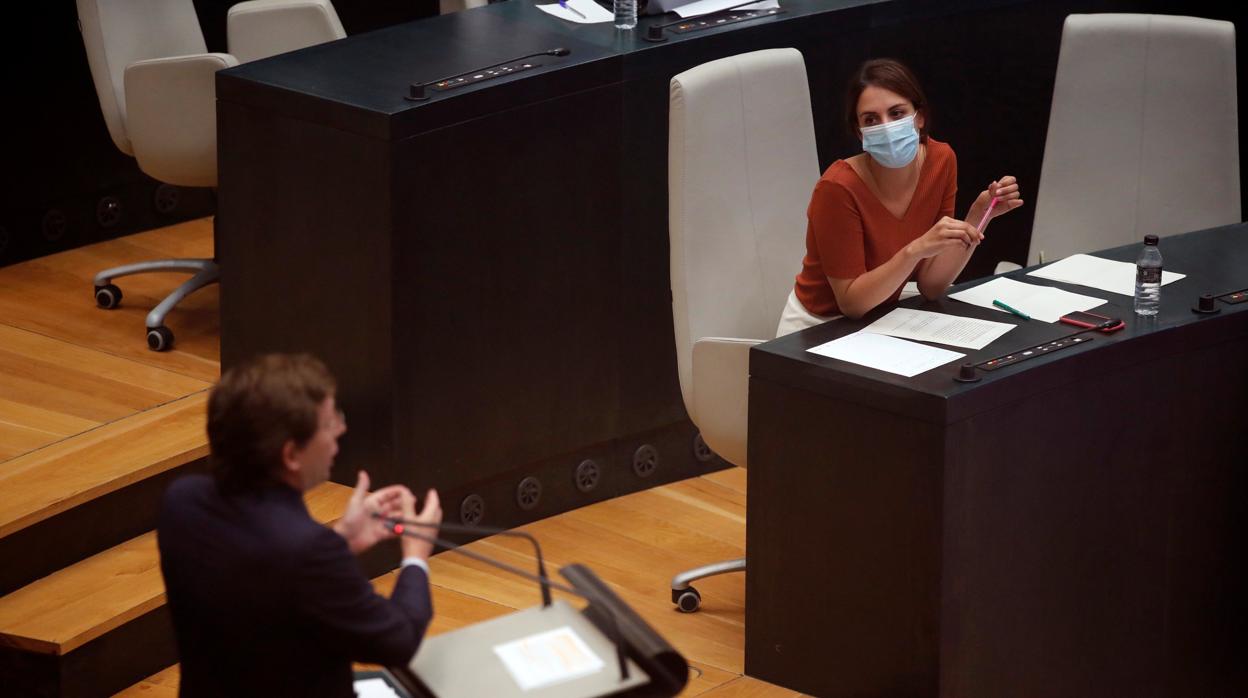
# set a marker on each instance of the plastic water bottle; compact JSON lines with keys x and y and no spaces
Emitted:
{"x":625,"y":14}
{"x":1148,"y":278}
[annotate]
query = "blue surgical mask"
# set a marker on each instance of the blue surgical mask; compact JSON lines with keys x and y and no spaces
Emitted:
{"x":893,"y":144}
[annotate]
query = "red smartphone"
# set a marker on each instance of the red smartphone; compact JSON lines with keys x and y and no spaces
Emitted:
{"x":1103,"y":323}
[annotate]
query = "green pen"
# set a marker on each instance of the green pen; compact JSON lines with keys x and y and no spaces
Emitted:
{"x":1017,"y":312}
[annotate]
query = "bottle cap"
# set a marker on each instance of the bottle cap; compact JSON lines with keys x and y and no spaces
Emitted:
{"x":1150,"y":239}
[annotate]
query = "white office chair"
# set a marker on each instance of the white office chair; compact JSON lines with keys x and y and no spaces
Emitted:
{"x":1143,"y":134}
{"x":156,"y":84}
{"x":741,"y":165}
{"x":448,"y":6}
{"x":261,"y":28}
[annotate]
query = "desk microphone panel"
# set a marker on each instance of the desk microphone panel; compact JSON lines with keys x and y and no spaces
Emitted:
{"x":695,"y":24}
{"x":1235,"y":297}
{"x":1032,"y":352}
{"x":482,"y":75}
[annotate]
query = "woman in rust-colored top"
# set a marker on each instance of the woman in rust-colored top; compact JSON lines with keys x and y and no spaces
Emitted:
{"x":885,"y":216}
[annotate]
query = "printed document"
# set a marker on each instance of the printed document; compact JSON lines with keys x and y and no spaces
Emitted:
{"x":938,"y":327}
{"x":885,"y":353}
{"x":1043,"y":303}
{"x":580,"y":11}
{"x":705,"y":7}
{"x":548,"y":658}
{"x":1105,"y":274}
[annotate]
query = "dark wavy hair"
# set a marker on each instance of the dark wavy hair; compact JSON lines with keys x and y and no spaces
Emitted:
{"x":257,"y":407}
{"x":891,"y":75}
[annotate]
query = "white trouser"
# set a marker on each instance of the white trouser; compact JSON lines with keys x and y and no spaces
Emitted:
{"x":796,"y":317}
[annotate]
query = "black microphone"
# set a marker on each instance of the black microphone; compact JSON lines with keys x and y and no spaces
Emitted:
{"x":654,"y":32}
{"x":399,"y":527}
{"x":416,"y":91}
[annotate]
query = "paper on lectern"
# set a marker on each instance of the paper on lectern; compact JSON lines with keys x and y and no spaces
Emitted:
{"x":548,"y":658}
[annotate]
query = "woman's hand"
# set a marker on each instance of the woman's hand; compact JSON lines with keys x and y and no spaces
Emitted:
{"x":948,"y":233}
{"x":1006,"y":192}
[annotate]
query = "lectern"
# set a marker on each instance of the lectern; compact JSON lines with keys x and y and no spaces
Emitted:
{"x":552,"y":651}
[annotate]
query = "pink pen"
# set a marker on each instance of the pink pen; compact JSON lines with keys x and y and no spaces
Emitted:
{"x":982,"y":221}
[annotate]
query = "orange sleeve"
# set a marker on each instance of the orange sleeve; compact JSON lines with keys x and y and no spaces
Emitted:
{"x":951,"y":186}
{"x":837,"y":227}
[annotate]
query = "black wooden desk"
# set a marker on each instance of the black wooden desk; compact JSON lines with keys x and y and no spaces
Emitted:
{"x":1070,"y":526}
{"x":487,"y":271}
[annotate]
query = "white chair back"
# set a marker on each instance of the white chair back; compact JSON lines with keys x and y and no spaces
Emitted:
{"x":117,"y":33}
{"x":261,"y":28}
{"x":448,"y":6}
{"x":742,"y":163}
{"x":1143,"y":133}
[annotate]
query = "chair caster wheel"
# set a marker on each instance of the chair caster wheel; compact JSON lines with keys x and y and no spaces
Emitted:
{"x":687,"y":600}
{"x":107,"y":296}
{"x":159,"y":338}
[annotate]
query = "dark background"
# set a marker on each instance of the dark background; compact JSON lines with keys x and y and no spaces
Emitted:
{"x":58,"y":160}
{"x":989,"y":93}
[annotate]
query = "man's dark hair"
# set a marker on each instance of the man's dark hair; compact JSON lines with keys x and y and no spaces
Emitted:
{"x":891,"y":75}
{"x":257,"y":407}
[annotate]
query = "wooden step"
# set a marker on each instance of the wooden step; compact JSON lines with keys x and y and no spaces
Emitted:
{"x":85,"y":493}
{"x":51,"y":389}
{"x":103,"y":621}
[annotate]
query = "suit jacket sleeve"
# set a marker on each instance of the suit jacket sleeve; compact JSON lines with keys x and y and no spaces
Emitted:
{"x":341,"y":606}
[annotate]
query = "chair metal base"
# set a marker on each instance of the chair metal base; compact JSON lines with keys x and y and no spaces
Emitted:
{"x":686,"y":598}
{"x":205,"y":272}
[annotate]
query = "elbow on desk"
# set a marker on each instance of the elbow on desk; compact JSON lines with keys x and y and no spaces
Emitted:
{"x":931,"y":292}
{"x":854,"y":313}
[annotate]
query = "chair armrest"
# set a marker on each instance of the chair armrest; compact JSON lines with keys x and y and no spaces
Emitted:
{"x":261,"y":28}
{"x":171,"y":116}
{"x":1003,"y":267}
{"x":721,"y":388}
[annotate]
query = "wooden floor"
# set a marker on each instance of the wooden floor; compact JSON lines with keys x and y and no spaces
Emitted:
{"x":68,"y":369}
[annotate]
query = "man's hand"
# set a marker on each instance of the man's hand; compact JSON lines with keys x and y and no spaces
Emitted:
{"x":358,"y":526}
{"x":431,"y":513}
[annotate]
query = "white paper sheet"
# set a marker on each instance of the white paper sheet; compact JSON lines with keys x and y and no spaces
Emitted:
{"x":1105,"y":274}
{"x":374,"y":688}
{"x":703,"y":7}
{"x":548,"y":658}
{"x":926,"y":326}
{"x":886,"y":353}
{"x":592,"y":11}
{"x":1043,"y":303}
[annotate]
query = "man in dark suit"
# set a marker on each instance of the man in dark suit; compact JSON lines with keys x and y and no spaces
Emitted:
{"x":265,"y":600}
